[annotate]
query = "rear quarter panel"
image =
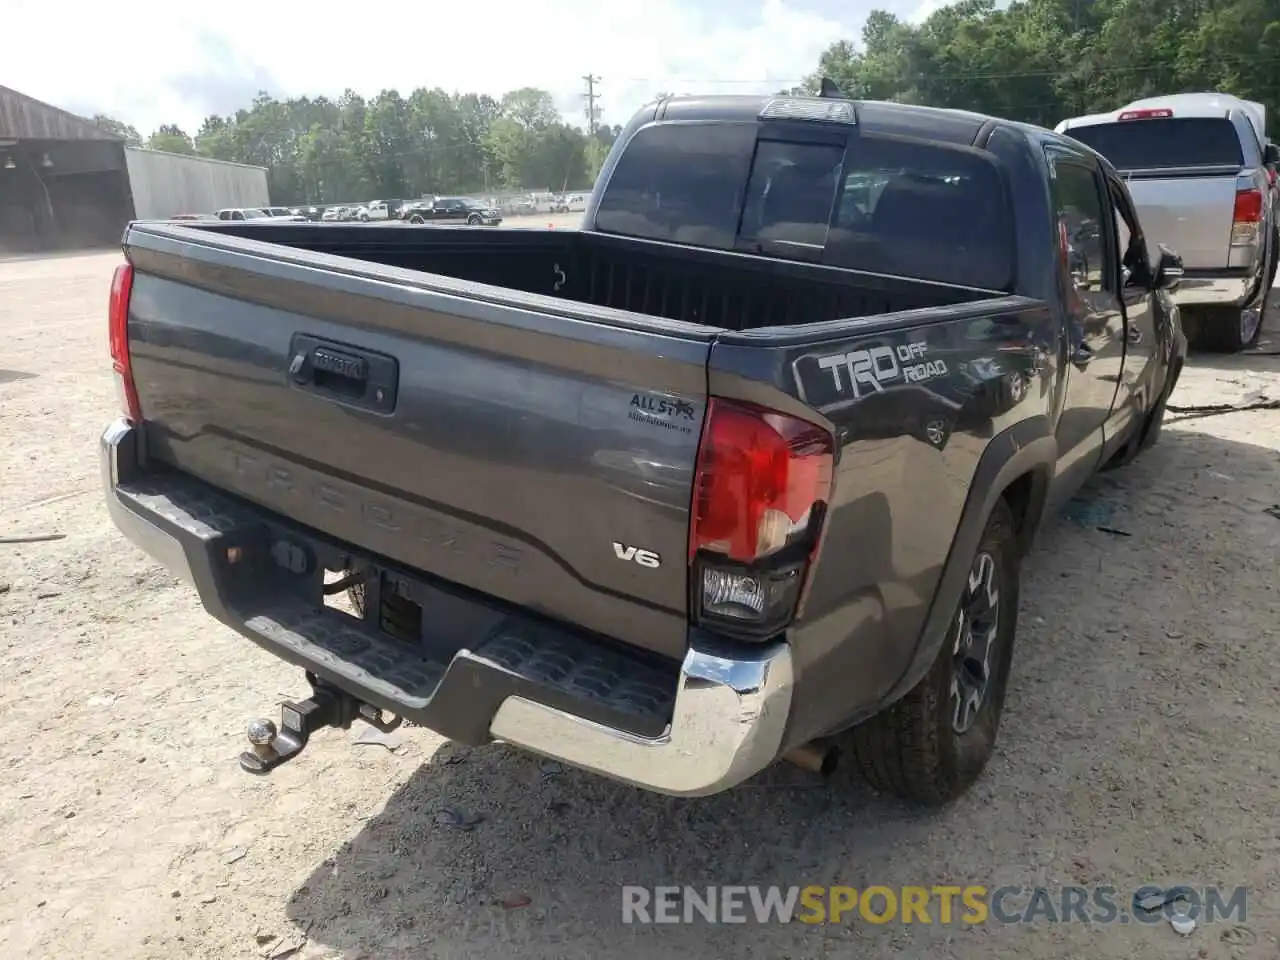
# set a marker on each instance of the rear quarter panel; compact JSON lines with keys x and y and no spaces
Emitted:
{"x":915,"y":405}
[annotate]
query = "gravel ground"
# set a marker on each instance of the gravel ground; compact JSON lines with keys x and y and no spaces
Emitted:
{"x":1138,"y":743}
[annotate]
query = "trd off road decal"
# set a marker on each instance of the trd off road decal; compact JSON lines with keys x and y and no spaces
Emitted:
{"x":826,"y":378}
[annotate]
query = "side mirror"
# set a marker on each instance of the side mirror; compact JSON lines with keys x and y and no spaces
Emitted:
{"x":1169,"y":272}
{"x":1271,"y":154}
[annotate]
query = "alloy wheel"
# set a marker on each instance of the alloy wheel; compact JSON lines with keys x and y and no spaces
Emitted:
{"x":976,"y":631}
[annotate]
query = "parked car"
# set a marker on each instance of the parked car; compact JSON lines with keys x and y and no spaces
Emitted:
{"x":279,"y":212}
{"x":193,"y":216}
{"x":308,"y":213}
{"x":254,"y":213}
{"x":243,"y":213}
{"x":568,"y":203}
{"x":379,"y":210}
{"x":622,"y":496}
{"x":334,"y":214}
{"x":451,"y":210}
{"x":1196,"y":165}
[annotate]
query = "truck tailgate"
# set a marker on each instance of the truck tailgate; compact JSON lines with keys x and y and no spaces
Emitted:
{"x":539,"y":458}
{"x":1190,"y":215}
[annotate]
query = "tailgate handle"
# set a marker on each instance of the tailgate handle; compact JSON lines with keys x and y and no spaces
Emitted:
{"x":327,"y":365}
{"x":357,"y":377}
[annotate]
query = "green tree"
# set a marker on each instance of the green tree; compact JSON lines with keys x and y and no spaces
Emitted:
{"x":1043,"y":60}
{"x":172,"y":139}
{"x":395,"y":145}
{"x":119,"y":128}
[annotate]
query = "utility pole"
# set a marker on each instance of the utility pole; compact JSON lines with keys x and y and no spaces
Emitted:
{"x":591,"y":97}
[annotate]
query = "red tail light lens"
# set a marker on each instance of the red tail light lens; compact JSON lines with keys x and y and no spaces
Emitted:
{"x":1246,"y":218}
{"x":1160,"y":114}
{"x":760,"y":496}
{"x":118,"y":332}
{"x":1248,"y":206}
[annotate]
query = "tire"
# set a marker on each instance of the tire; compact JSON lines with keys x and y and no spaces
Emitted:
{"x":1154,"y":425}
{"x":416,"y":219}
{"x":355,"y":596}
{"x":929,"y":747}
{"x":474,"y":221}
{"x":1226,"y":329}
{"x":1275,"y":262}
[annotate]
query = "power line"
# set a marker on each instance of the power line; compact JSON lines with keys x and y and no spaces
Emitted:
{"x":591,"y":97}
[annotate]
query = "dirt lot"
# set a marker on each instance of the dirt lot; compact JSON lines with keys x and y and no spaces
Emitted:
{"x":1139,"y":739}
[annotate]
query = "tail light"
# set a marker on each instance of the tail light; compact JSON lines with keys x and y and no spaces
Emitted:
{"x":1162,"y":113}
{"x":118,"y":327}
{"x":1246,"y":218}
{"x":760,"y":499}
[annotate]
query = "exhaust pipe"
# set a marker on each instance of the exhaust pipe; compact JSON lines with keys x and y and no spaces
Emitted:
{"x":816,"y":756}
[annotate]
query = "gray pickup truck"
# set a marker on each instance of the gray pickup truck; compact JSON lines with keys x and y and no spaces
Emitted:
{"x":747,"y":462}
{"x":1196,"y":165}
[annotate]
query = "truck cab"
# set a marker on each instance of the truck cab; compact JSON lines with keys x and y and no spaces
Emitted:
{"x":1200,"y":170}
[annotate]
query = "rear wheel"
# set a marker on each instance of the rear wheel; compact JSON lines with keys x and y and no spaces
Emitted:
{"x":930,"y":746}
{"x":1275,"y":261}
{"x":1227,"y":329}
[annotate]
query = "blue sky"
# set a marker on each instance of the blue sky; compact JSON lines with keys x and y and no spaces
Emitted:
{"x":175,"y":63}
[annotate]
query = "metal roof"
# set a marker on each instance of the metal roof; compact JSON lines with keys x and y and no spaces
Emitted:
{"x":25,"y":118}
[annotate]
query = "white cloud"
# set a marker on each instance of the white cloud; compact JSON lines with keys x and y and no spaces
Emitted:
{"x":154,"y":62}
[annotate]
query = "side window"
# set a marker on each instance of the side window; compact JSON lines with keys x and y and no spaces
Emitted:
{"x":926,"y":210}
{"x":1081,"y":225}
{"x":791,"y":193}
{"x":680,"y":182}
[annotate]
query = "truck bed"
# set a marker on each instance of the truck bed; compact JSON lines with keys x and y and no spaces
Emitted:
{"x":507,"y":411}
{"x":707,"y":287}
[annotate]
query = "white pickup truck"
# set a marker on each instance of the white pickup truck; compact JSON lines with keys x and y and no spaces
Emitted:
{"x":1197,"y":168}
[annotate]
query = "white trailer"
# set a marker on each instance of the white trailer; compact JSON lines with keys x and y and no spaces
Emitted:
{"x":164,"y":184}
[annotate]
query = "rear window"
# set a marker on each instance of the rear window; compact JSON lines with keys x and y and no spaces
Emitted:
{"x":888,"y":206}
{"x":1164,"y":144}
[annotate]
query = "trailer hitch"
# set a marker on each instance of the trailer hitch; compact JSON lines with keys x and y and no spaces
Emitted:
{"x":326,"y":707}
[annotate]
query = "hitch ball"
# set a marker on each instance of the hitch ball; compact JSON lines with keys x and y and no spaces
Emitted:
{"x":263,"y":756}
{"x":261,"y":732}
